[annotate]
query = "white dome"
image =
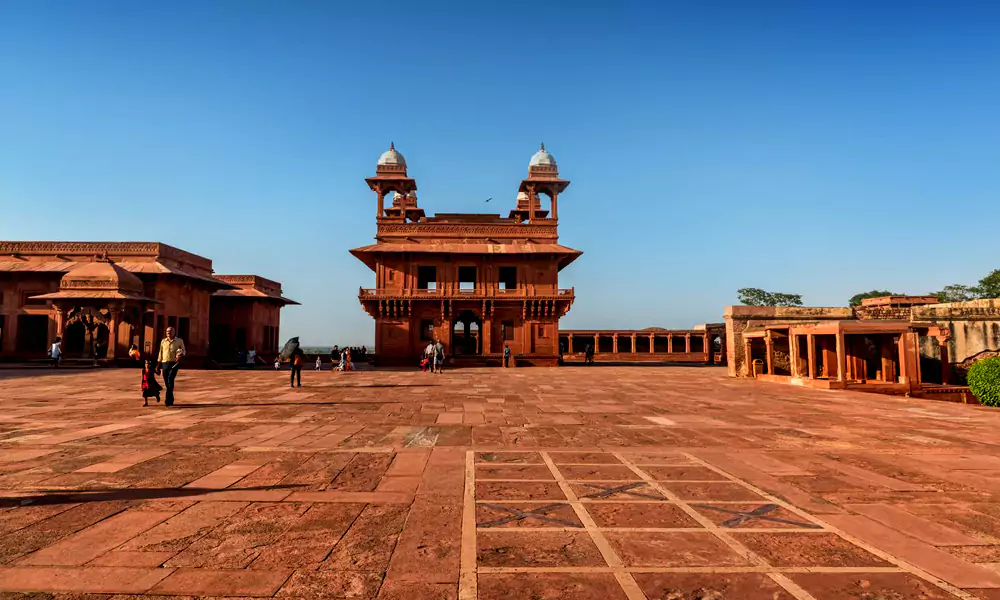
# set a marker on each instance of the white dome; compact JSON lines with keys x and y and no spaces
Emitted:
{"x":391,"y":158}
{"x":522,"y":196}
{"x":542,"y":159}
{"x":412,"y":194}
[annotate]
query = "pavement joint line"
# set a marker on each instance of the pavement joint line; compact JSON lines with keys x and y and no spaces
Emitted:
{"x":468,"y":586}
{"x":611,"y":558}
{"x":724,"y":537}
{"x":719,"y":570}
{"x":648,"y":529}
{"x":910,"y":568}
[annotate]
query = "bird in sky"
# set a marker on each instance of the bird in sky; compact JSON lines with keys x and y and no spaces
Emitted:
{"x":490,"y":198}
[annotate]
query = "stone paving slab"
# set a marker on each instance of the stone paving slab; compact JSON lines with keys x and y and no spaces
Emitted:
{"x":599,"y":482}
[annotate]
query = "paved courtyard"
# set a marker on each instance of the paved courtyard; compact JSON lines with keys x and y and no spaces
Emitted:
{"x":602,"y":483}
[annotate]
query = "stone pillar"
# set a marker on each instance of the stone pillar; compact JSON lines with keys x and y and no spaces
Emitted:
{"x":569,"y":350}
{"x":670,"y":343}
{"x":381,"y":203}
{"x":811,"y":355}
{"x":687,"y":343}
{"x":113,"y":332}
{"x":531,"y":212}
{"x":60,"y":320}
{"x":486,"y":333}
{"x":555,"y":211}
{"x":652,"y":343}
{"x":748,"y":356}
{"x":793,"y":352}
{"x":633,"y":343}
{"x":769,"y":356}
{"x":597,"y":343}
{"x":614,"y":343}
{"x":945,"y":360}
{"x":707,"y":347}
{"x":841,"y":357}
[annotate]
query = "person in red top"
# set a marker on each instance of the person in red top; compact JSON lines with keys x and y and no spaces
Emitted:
{"x":150,"y":387}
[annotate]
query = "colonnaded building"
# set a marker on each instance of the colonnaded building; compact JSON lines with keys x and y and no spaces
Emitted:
{"x":109,"y":295}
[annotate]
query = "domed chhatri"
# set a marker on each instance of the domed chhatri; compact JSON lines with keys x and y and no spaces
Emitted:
{"x":542,"y":159}
{"x":391,"y":158}
{"x":101,"y":275}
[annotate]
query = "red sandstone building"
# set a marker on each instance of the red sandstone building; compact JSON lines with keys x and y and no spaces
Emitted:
{"x":477,"y":282}
{"x":114,"y":294}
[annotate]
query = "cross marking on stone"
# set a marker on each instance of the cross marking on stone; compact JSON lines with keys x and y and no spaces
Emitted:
{"x":622,"y":489}
{"x":760,"y":512}
{"x":520,"y":515}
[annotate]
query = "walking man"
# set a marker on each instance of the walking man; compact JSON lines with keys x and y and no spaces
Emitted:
{"x":506,"y":356}
{"x":56,"y":352}
{"x":438,"y":357}
{"x":169,"y":361}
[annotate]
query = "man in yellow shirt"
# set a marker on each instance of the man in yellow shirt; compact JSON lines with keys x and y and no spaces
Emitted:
{"x":168,"y":361}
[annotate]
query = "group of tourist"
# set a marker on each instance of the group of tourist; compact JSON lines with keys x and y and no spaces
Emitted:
{"x":433,"y":359}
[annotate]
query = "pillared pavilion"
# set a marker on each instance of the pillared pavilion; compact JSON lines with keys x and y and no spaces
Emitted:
{"x":476,"y":282}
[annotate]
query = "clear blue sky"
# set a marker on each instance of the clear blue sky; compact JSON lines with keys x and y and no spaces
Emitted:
{"x":805,"y":147}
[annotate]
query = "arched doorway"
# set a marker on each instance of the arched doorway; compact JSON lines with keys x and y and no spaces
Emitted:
{"x":466,"y":334}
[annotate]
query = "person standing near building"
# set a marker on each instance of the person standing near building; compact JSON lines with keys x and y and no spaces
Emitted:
{"x":168,"y":361}
{"x":506,"y":356}
{"x":438,"y":357}
{"x":298,"y":357}
{"x":251,"y":358}
{"x":588,"y":355}
{"x":56,"y":352}
{"x":319,"y":363}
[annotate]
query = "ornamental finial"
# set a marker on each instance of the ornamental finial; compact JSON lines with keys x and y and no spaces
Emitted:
{"x":392,"y":146}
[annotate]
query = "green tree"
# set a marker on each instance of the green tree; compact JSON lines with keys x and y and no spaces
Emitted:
{"x":958,"y":293}
{"x":857,"y":298}
{"x":989,"y":286}
{"x":759,"y":297}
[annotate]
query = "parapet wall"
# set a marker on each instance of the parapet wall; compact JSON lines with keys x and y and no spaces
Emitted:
{"x":975,"y":330}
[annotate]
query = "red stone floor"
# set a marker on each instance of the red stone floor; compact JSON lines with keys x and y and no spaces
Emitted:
{"x":583,"y":482}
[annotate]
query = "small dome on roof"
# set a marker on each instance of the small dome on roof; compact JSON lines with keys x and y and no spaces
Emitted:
{"x":542,"y":159}
{"x":391,"y":158}
{"x":101,"y":275}
{"x":412,"y":194}
{"x":522,"y":196}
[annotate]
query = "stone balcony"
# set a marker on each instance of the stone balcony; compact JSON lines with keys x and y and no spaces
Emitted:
{"x":479,"y":293}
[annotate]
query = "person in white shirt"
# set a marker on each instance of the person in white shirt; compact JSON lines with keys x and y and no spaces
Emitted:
{"x":319,"y":364}
{"x":56,"y":352}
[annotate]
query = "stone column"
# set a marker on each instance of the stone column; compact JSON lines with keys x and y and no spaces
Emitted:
{"x":945,"y":358}
{"x":113,"y":332}
{"x":487,"y":335}
{"x":769,"y":356}
{"x":614,"y":343}
{"x":687,"y":343}
{"x":748,"y":356}
{"x":841,"y":357}
{"x":569,"y":349}
{"x":633,"y":343}
{"x":811,"y":355}
{"x":60,"y":319}
{"x":555,"y":211}
{"x":652,"y":343}
{"x":381,"y":203}
{"x":597,"y":343}
{"x":670,"y":343}
{"x":793,"y":354}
